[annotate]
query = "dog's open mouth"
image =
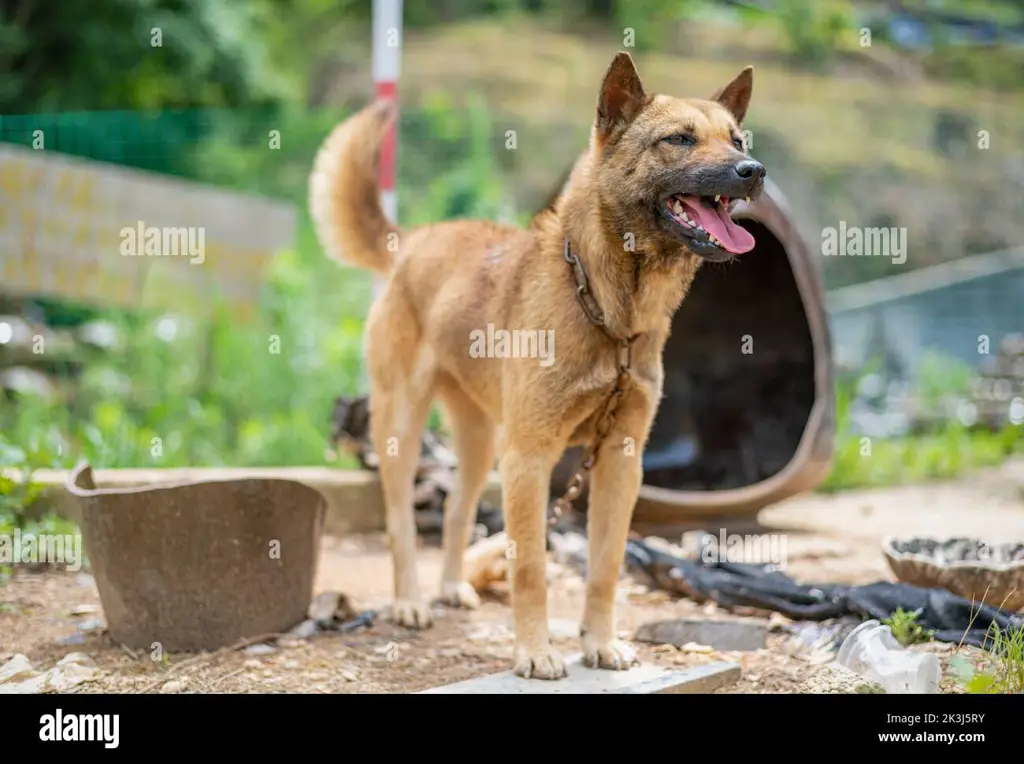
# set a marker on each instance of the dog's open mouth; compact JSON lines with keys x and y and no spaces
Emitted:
{"x":705,"y":220}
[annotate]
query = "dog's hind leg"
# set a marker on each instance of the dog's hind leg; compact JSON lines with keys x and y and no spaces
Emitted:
{"x":402,"y":375}
{"x":473,"y":440}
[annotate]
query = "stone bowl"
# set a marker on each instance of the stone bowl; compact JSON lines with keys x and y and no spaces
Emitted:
{"x":193,"y":566}
{"x":973,"y":569}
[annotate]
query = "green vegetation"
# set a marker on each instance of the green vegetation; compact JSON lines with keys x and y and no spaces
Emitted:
{"x":200,"y":105}
{"x":1001,"y":672}
{"x":906,"y":629}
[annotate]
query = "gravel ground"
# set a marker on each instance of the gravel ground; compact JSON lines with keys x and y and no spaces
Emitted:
{"x":46,"y":616}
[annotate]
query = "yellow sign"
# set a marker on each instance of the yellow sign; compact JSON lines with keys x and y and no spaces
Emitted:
{"x":103,"y":234}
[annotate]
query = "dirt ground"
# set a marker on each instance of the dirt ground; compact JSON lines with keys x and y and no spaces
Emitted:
{"x":46,"y":616}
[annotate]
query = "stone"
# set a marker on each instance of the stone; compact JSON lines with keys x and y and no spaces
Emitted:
{"x":305,"y":630}
{"x":92,"y":624}
{"x":739,"y":634}
{"x":646,"y":679}
{"x":260,"y":650}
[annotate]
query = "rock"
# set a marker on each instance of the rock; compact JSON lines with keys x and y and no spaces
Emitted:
{"x":17,"y":667}
{"x":175,"y":685}
{"x":348,"y":676}
{"x":304,"y":630}
{"x":18,"y":676}
{"x":252,"y":663}
{"x":740,"y":635}
{"x":571,"y":550}
{"x":71,"y":639}
{"x":260,"y":649}
{"x":85,"y":579}
{"x":92,"y":624}
{"x":834,"y":679}
{"x":84,"y":610}
{"x":291,"y":665}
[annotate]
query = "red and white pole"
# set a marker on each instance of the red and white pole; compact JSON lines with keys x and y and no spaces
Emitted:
{"x":387,"y":60}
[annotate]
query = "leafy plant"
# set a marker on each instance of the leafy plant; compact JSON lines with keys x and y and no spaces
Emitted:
{"x":906,"y":629}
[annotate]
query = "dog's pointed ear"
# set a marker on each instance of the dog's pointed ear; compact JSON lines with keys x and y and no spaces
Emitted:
{"x":736,"y":95}
{"x":622,"y":95}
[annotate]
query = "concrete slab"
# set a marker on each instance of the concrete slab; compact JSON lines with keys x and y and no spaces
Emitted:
{"x":744,"y":634}
{"x":646,"y":679}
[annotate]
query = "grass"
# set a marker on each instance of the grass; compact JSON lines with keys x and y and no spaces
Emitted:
{"x":1000,"y":672}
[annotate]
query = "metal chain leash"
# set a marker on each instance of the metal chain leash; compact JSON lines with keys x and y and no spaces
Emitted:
{"x":592,"y":310}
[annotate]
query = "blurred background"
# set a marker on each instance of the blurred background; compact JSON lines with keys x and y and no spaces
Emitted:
{"x":880,"y":114}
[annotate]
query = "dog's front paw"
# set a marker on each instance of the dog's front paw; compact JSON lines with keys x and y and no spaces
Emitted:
{"x":539,"y":664}
{"x":412,"y":614}
{"x":460,"y":594}
{"x":613,"y":654}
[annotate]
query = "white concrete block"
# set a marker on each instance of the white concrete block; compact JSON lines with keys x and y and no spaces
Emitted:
{"x":646,"y":679}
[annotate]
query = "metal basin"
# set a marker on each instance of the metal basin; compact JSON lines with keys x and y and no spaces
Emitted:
{"x":193,"y":566}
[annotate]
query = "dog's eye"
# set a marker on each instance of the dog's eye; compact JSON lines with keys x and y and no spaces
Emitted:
{"x":739,"y":144}
{"x":681,"y":139}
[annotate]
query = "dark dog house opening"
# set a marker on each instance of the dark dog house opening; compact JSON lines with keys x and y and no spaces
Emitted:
{"x":739,"y":375}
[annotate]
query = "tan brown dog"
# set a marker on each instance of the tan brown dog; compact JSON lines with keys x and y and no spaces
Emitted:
{"x":643,"y":208}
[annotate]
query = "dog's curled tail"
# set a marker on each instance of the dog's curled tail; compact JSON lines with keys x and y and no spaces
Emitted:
{"x":344,"y":192}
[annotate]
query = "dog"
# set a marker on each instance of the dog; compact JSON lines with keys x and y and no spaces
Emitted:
{"x":643,"y":208}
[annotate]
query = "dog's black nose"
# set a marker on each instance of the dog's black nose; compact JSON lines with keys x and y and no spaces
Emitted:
{"x":748,"y":169}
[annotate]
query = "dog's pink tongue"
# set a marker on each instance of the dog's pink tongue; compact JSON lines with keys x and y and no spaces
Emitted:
{"x":716,"y":221}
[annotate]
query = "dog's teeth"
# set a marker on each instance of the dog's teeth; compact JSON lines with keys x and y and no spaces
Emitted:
{"x":747,"y":200}
{"x":718,"y":197}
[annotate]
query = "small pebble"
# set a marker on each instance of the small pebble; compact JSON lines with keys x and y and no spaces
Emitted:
{"x":84,"y":610}
{"x":253,"y":663}
{"x":175,"y":685}
{"x":71,"y":639}
{"x":693,"y":647}
{"x":260,"y":649}
{"x":305,"y":630}
{"x":92,"y":624}
{"x":291,"y":665}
